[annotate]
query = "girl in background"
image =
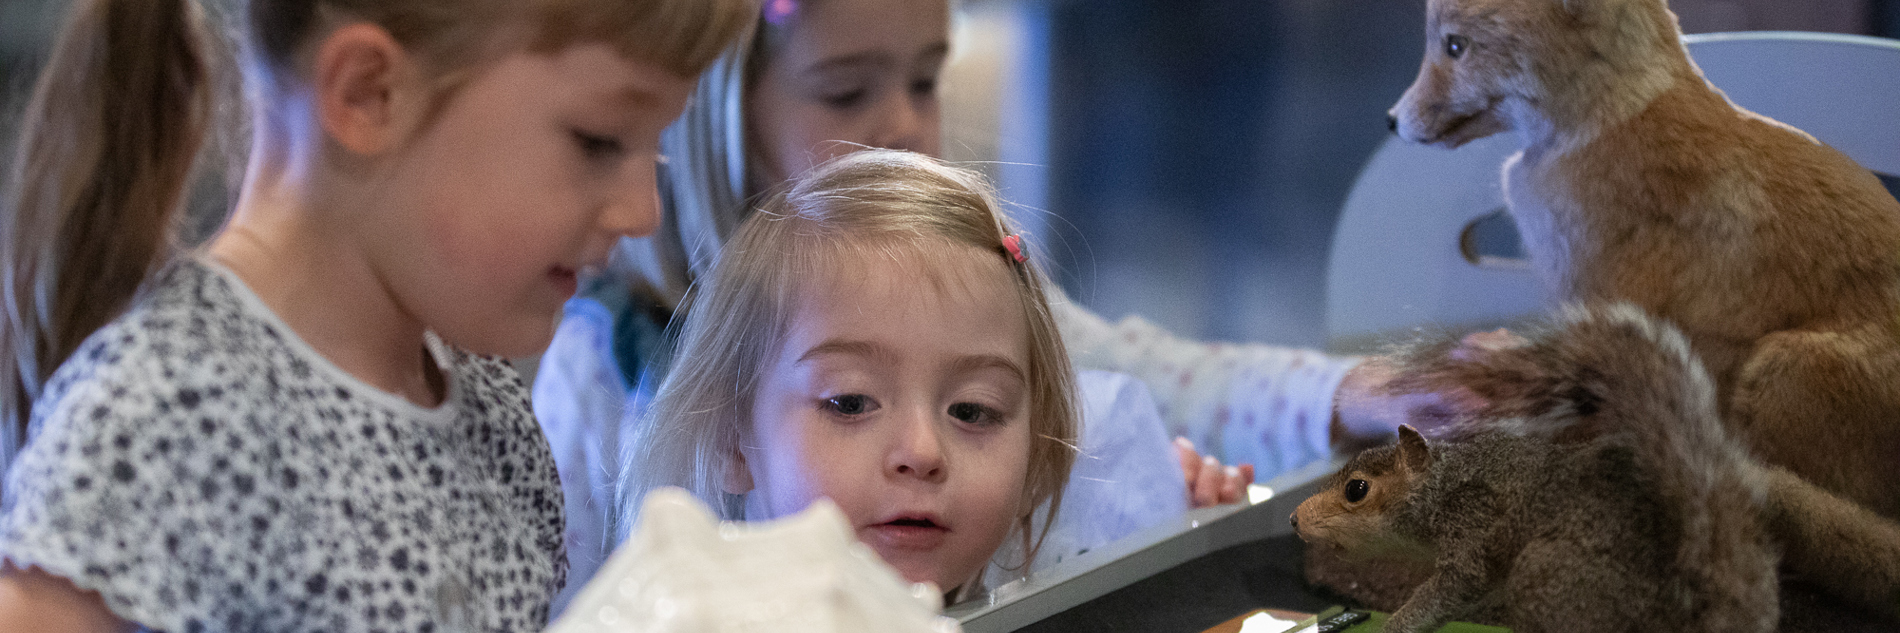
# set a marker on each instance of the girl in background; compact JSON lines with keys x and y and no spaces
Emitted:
{"x":875,"y":335}
{"x":304,"y":427}
{"x":812,"y":83}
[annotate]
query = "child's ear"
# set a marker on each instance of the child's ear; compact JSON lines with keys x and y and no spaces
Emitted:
{"x":1414,"y":455}
{"x":738,"y":475}
{"x":367,"y":88}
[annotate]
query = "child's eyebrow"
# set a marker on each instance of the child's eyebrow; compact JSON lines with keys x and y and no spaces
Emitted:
{"x":624,"y":87}
{"x":874,"y":351}
{"x":865,"y":61}
{"x":627,"y":95}
{"x":870,"y":60}
{"x":965,"y":364}
{"x":848,"y":348}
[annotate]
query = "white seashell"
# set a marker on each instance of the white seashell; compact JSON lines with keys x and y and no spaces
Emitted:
{"x":683,"y":571}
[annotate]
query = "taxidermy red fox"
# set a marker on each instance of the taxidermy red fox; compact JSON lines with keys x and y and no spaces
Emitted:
{"x":1776,"y":255}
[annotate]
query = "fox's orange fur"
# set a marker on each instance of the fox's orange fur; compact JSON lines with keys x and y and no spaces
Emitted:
{"x":1778,"y":256}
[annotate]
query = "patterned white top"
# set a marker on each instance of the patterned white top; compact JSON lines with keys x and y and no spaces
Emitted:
{"x":205,"y":470}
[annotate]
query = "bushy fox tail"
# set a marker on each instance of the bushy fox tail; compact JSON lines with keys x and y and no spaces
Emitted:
{"x":1613,"y":371}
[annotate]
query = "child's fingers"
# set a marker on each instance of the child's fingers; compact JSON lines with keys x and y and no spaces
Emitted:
{"x":1232,"y":486}
{"x":1206,"y":488}
{"x":1190,"y":459}
{"x":1493,"y":340}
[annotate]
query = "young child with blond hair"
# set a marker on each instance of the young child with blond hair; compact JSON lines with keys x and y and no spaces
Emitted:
{"x":878,"y":336}
{"x":305,"y":425}
{"x":811,"y":83}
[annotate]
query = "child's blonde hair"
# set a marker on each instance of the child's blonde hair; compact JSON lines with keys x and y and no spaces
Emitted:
{"x":110,"y":136}
{"x":878,"y":201}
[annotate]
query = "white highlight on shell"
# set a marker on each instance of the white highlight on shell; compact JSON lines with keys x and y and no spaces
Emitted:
{"x":682,"y":571}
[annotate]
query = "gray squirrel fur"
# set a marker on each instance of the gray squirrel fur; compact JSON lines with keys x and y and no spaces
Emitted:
{"x":1599,"y":491}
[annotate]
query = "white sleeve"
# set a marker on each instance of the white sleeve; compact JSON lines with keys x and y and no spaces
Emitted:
{"x":1242,"y":403}
{"x":579,"y":397}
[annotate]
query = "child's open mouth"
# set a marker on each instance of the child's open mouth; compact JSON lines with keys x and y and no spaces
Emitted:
{"x":908,"y":532}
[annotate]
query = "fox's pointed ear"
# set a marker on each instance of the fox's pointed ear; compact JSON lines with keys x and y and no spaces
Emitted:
{"x":1414,"y":455}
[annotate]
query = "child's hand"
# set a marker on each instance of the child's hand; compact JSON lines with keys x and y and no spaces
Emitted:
{"x":1367,"y":413}
{"x":1477,"y":343}
{"x":1209,"y":483}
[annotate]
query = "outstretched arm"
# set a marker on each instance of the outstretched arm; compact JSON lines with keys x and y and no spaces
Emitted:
{"x":1242,"y":403}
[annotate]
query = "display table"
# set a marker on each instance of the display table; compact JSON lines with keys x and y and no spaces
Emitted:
{"x":1187,"y":575}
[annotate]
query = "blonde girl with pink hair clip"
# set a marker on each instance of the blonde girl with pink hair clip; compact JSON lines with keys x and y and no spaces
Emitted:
{"x":811,"y":84}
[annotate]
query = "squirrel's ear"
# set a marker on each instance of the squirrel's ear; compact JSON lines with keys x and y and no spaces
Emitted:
{"x":1414,"y":455}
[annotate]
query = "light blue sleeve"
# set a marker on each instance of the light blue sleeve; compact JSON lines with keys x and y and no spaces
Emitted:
{"x":579,"y":400}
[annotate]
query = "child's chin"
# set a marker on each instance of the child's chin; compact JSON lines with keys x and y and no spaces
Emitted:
{"x":913,"y":569}
{"x":916,"y":569}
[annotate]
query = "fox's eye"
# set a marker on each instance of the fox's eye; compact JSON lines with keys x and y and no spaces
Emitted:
{"x":1455,"y":45}
{"x":1356,"y":490}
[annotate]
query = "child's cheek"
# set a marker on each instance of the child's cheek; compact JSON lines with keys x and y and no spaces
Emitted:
{"x":801,"y":464}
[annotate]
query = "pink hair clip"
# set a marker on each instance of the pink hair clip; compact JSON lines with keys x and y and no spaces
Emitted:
{"x":1014,"y":244}
{"x":777,"y":11}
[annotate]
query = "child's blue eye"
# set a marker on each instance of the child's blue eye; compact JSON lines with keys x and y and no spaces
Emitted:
{"x":597,"y":147}
{"x":853,"y":404}
{"x":972,"y":413}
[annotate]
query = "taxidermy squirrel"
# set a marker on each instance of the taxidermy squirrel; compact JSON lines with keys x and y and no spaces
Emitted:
{"x":1594,"y":489}
{"x":1834,"y":544}
{"x":1777,"y":256}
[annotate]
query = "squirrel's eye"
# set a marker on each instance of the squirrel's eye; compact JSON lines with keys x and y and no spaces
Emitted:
{"x":1356,"y":490}
{"x":1455,"y":45}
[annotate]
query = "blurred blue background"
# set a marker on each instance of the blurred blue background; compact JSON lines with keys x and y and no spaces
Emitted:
{"x":1184,"y":160}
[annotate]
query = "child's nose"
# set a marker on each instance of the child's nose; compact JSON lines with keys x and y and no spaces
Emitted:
{"x":919,"y":451}
{"x":905,"y":125}
{"x":633,"y":209}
